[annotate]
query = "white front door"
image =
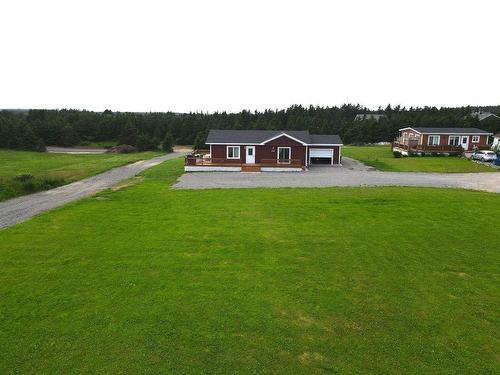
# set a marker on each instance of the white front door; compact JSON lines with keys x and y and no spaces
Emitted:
{"x":465,"y":142}
{"x":250,"y":159}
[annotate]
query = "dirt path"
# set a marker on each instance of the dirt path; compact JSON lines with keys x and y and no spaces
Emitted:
{"x":19,"y":209}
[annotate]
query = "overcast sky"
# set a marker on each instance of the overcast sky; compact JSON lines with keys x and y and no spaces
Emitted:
{"x":231,"y":55}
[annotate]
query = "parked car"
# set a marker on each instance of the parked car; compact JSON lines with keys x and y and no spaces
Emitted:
{"x":488,"y":156}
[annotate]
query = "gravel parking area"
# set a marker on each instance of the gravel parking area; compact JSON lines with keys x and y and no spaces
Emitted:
{"x":352,"y":173}
{"x":19,"y":209}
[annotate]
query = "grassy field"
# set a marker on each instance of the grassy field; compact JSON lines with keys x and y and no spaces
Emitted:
{"x":23,"y":172}
{"x":293,"y":281}
{"x":380,"y":157}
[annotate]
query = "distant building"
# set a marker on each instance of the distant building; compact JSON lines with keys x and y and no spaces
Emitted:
{"x":440,"y":140}
{"x":480,"y":115}
{"x":369,"y":116}
{"x":496,"y":141}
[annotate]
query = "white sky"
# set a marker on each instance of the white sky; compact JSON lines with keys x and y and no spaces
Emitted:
{"x":213,"y":55}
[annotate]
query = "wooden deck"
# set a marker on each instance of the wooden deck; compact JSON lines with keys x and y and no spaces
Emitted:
{"x":250,"y":168}
{"x":409,"y":147}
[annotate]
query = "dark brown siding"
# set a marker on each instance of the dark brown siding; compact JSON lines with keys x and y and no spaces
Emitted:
{"x":444,"y":138}
{"x":483,"y":141}
{"x":267,"y":151}
{"x":219,"y":152}
{"x":270,"y":150}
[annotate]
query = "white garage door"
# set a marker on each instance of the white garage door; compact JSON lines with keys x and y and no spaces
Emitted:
{"x":320,"y":153}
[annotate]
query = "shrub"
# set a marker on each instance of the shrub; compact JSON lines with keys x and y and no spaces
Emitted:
{"x":397,"y":154}
{"x":27,"y":184}
{"x":23,"y":177}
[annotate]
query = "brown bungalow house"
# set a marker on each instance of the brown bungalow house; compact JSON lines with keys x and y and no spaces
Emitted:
{"x":440,"y":140}
{"x":265,"y":150}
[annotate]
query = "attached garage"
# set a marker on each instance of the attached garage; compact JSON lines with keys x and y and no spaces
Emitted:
{"x":321,"y":156}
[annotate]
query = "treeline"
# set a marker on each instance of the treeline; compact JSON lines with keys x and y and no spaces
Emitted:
{"x":33,"y":129}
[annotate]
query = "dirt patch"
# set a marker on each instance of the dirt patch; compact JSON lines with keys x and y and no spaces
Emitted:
{"x":130,"y":182}
{"x":307,"y":358}
{"x":305,"y":321}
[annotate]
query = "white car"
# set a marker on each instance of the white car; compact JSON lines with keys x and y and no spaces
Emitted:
{"x":484,"y":156}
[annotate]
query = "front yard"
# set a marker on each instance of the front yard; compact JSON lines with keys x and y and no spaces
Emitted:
{"x":381,"y":158}
{"x":294,"y":281}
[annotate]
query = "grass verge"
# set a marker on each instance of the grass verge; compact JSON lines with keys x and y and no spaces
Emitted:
{"x":381,"y":158}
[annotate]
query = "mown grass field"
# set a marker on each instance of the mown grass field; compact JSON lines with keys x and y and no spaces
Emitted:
{"x":51,"y":170}
{"x":293,"y":281}
{"x":381,"y":157}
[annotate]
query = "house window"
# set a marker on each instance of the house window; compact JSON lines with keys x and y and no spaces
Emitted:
{"x":233,"y":152}
{"x":475,"y":139}
{"x":433,"y":140}
{"x":454,"y":140}
{"x":284,"y":155}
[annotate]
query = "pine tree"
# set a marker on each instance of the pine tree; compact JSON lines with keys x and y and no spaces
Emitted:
{"x":168,"y":142}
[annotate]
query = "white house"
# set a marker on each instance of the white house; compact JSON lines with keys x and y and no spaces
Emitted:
{"x":496,"y":141}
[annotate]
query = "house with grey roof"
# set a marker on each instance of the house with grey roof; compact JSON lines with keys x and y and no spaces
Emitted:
{"x":369,"y":116}
{"x":481,"y":116}
{"x":265,"y":150}
{"x":440,"y":140}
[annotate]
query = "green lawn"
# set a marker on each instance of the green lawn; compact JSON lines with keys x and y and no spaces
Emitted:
{"x":380,"y":157}
{"x":50,"y":170}
{"x":293,"y":281}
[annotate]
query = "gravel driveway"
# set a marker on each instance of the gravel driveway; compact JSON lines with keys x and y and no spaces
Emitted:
{"x":352,"y":173}
{"x":75,"y":150}
{"x":19,"y":209}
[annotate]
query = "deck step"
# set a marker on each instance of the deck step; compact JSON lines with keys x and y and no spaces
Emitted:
{"x":250,"y":168}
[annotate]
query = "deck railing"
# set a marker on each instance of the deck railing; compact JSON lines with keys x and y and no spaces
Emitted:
{"x":201,"y":161}
{"x":194,"y":160}
{"x":427,"y":148}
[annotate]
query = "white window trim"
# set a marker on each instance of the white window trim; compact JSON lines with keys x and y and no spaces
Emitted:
{"x":233,"y":147}
{"x":281,"y":135}
{"x":454,"y":136}
{"x":289,"y":155}
{"x":429,"y":140}
{"x":475,"y":139}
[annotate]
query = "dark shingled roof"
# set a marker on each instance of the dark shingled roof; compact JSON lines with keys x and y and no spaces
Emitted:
{"x":259,"y":136}
{"x":449,"y":130}
{"x":325,"y":139}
